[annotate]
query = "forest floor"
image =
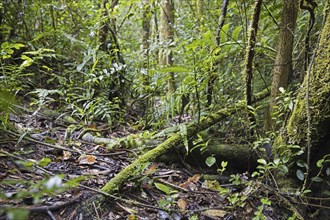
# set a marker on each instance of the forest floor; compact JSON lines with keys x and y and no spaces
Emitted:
{"x":162,"y":191}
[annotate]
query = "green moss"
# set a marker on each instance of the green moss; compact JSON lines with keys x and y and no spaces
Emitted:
{"x":319,"y":102}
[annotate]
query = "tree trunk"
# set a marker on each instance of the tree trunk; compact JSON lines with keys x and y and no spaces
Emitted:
{"x":110,"y":44}
{"x":282,"y":70}
{"x":317,"y":86}
{"x":165,"y":54}
{"x":249,"y":56}
{"x":212,"y":74}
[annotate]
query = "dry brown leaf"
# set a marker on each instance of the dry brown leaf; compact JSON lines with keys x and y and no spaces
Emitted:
{"x":248,"y":208}
{"x":182,"y":204}
{"x":151,"y":169}
{"x":215,"y":213}
{"x":66,"y":155}
{"x":188,"y":185}
{"x":87,"y":159}
{"x":195,"y":178}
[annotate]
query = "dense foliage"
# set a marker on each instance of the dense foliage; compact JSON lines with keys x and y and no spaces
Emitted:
{"x":100,"y":61}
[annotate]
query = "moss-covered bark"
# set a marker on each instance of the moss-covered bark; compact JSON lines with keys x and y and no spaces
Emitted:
{"x":282,"y":70}
{"x":175,"y":140}
{"x":319,"y":98}
{"x":249,"y":56}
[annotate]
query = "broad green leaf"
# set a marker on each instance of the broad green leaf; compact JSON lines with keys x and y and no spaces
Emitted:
{"x":317,"y":179}
{"x":5,"y":45}
{"x":224,"y":32}
{"x":300,"y":152}
{"x":167,"y":190}
{"x":210,"y":161}
{"x":74,"y":182}
{"x":255,"y":173}
{"x":24,"y":57}
{"x":44,"y":161}
{"x":301,"y":163}
{"x":26,"y":63}
{"x":236,"y":33}
{"x":17,"y":45}
{"x":265,"y":201}
{"x":285,"y":159}
{"x":207,"y":37}
{"x":262,"y":161}
{"x":319,"y":163}
{"x":276,"y":161}
{"x":283,"y":168}
{"x":300,"y":175}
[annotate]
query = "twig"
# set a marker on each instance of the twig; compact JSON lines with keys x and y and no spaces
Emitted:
{"x":43,"y":143}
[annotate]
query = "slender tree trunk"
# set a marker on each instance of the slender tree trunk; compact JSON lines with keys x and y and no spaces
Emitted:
{"x":166,"y":55}
{"x":1,"y":31}
{"x":145,"y":36}
{"x":249,"y":56}
{"x":282,"y":71}
{"x":145,"y":47}
{"x":110,"y":44}
{"x":212,"y":74}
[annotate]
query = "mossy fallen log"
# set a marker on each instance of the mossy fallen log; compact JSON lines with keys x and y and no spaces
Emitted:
{"x":130,"y":141}
{"x":173,"y":141}
{"x":192,"y":129}
{"x":240,"y":157}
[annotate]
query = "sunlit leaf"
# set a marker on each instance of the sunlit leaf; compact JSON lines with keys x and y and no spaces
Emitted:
{"x":320,"y":163}
{"x":44,"y":161}
{"x":281,"y":89}
{"x":265,"y":201}
{"x":54,"y":182}
{"x":166,"y":189}
{"x":262,"y":161}
{"x":210,"y":161}
{"x":183,"y":132}
{"x":236,"y":33}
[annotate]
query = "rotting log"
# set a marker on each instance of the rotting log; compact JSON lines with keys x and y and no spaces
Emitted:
{"x":192,"y":129}
{"x":240,"y":157}
{"x":175,"y":140}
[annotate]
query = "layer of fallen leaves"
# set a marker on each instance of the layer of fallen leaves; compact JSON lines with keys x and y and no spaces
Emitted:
{"x":162,"y":191}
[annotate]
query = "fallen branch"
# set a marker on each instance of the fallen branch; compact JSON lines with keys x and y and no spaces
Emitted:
{"x":175,"y":140}
{"x":192,"y":129}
